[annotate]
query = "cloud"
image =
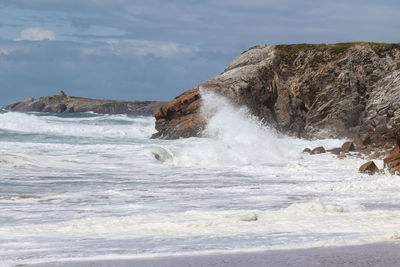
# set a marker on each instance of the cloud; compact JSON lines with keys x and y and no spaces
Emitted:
{"x":7,"y":50}
{"x":139,"y":48}
{"x":36,"y":34}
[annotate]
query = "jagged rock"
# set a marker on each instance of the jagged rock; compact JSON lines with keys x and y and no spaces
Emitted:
{"x":348,"y":147}
{"x":180,"y":117}
{"x":369,"y":168}
{"x":309,"y":91}
{"x":335,"y":151}
{"x":318,"y":150}
{"x":62,"y":103}
{"x":306,"y":150}
{"x":392,"y":161}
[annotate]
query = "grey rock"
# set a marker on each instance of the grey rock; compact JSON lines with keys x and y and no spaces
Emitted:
{"x":62,"y":103}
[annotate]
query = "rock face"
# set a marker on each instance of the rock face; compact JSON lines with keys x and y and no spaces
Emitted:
{"x":303,"y":90}
{"x":67,"y":104}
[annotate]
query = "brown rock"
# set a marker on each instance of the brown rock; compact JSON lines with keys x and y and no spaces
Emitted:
{"x":348,"y":147}
{"x":318,"y":150}
{"x":335,"y":151}
{"x":306,"y":150}
{"x":392,"y":161}
{"x":180,"y":117}
{"x":369,"y":168}
{"x":394,"y":155}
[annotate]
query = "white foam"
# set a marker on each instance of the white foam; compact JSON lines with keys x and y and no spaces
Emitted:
{"x":243,"y":187}
{"x":234,"y":137}
{"x":141,"y":127}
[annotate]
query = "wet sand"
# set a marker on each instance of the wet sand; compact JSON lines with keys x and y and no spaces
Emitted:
{"x":381,"y":254}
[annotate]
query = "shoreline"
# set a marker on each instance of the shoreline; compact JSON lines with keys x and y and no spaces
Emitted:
{"x":376,"y":254}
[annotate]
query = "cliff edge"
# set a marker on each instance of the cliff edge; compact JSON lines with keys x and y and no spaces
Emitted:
{"x":306,"y":90}
{"x":62,"y":103}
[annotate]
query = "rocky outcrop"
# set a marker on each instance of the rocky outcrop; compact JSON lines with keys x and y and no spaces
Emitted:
{"x":304,"y":90}
{"x":180,"y":117}
{"x":68,"y":104}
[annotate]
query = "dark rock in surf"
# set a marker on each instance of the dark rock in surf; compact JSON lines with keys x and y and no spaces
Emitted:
{"x":318,"y":150}
{"x":369,"y":168}
{"x":335,"y":151}
{"x":62,"y":103}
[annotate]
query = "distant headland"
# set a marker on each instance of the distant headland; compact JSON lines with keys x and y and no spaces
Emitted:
{"x":62,"y":103}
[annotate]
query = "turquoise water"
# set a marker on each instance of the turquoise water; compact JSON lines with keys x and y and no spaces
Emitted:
{"x":96,"y":186}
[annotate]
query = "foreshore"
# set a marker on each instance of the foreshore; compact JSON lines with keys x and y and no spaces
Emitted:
{"x":378,"y":254}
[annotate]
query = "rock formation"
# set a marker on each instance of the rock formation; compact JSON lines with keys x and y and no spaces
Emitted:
{"x":62,"y":103}
{"x":304,"y":90}
{"x":180,"y":117}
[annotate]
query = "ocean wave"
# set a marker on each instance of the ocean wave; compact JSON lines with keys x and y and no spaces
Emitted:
{"x":93,"y":126}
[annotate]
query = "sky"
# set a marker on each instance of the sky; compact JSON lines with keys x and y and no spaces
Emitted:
{"x":157,"y":49}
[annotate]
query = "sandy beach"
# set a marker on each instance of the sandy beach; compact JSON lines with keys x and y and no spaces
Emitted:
{"x":382,"y":254}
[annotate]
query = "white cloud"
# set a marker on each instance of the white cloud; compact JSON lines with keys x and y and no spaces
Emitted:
{"x":36,"y":34}
{"x":8,"y":49}
{"x":144,"y":48}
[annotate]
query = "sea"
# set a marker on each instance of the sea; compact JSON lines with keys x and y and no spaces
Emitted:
{"x":90,"y":186}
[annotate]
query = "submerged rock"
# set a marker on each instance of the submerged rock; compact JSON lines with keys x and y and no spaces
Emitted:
{"x":62,"y":103}
{"x":304,"y":90}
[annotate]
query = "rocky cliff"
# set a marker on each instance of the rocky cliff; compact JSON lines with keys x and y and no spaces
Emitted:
{"x":67,"y":104}
{"x":305,"y":90}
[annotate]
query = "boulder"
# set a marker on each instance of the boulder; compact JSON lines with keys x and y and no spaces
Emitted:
{"x":306,"y":150}
{"x":318,"y":150}
{"x":369,"y":168}
{"x":348,"y":147}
